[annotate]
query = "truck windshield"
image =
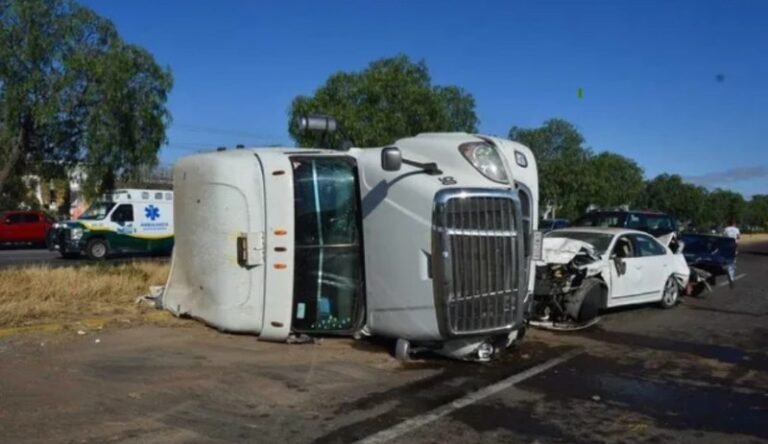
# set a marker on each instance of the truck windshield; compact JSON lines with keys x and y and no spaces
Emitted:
{"x":328,"y":280}
{"x":97,"y":211}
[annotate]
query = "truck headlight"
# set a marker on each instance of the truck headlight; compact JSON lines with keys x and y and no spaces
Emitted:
{"x":76,"y":233}
{"x":484,"y":157}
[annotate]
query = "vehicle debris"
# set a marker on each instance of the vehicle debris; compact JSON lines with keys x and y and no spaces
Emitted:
{"x":708,"y":256}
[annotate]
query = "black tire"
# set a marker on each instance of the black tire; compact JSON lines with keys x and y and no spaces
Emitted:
{"x":97,"y":249}
{"x":670,"y":294}
{"x":594,"y":294}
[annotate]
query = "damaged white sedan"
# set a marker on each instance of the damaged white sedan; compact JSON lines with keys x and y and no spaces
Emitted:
{"x":585,"y":270}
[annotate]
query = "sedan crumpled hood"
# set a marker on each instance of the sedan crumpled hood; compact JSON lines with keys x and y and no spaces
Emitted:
{"x":560,"y":250}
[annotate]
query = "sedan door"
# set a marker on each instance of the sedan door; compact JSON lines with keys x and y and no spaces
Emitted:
{"x":655,"y":258}
{"x":626,"y":273}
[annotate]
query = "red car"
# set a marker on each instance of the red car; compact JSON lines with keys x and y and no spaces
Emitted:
{"x":24,"y":227}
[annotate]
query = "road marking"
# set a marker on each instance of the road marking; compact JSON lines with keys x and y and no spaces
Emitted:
{"x":446,"y":409}
{"x":723,"y":284}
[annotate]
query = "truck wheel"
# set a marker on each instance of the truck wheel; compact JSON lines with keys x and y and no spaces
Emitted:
{"x":403,"y":350}
{"x":671,"y":294}
{"x":97,"y":249}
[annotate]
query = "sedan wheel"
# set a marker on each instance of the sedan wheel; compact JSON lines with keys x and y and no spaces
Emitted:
{"x":671,"y":294}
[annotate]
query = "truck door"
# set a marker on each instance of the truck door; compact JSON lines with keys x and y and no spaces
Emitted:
{"x":328,"y":282}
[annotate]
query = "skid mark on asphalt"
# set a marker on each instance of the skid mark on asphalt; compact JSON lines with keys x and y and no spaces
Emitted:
{"x":472,"y":398}
{"x":670,"y":403}
{"x":373,"y":413}
{"x":731,"y":355}
{"x":725,"y":311}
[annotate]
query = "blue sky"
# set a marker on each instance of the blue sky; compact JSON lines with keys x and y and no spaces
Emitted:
{"x":648,"y":69}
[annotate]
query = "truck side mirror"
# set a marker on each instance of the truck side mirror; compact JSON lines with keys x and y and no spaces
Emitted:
{"x":391,"y":158}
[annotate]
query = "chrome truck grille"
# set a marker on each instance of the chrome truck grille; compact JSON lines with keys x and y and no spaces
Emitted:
{"x":477,"y":260}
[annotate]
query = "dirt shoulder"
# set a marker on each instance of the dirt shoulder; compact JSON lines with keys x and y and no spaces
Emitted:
{"x":750,"y":239}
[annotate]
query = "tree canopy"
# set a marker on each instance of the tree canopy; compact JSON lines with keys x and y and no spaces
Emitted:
{"x":390,"y":99}
{"x":571,"y":176}
{"x":71,"y":91}
{"x":669,"y":193}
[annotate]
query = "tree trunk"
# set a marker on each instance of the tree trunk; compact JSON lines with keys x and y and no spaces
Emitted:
{"x":13,"y":157}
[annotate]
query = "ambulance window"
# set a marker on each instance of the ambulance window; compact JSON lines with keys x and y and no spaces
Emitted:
{"x":159,"y":196}
{"x":328,"y":290}
{"x":123,"y":213}
{"x":168,"y":196}
{"x":145,"y":195}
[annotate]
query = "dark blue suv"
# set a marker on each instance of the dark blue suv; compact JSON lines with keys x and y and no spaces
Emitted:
{"x":654,"y":223}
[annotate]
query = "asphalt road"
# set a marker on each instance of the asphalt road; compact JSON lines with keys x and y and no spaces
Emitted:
{"x":21,"y":256}
{"x":40,"y":256}
{"x":695,"y":373}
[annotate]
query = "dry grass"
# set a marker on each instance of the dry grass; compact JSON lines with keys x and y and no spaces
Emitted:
{"x":747,"y":239}
{"x":39,"y":294}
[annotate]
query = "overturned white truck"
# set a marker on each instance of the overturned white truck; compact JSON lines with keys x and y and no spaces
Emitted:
{"x":427,"y":241}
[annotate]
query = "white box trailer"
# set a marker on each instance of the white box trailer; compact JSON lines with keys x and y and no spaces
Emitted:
{"x":436,"y":253}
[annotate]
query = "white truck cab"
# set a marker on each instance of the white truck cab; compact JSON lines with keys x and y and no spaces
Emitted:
{"x":427,"y":241}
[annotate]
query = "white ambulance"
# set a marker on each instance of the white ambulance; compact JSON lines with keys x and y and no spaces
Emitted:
{"x":125,"y":221}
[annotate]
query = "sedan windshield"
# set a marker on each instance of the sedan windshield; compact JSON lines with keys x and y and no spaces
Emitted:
{"x":97,"y":211}
{"x":600,"y":241}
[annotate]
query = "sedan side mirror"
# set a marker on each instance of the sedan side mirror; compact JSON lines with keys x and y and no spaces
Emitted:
{"x":391,"y":158}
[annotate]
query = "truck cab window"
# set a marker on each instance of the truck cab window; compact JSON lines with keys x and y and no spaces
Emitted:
{"x":328,"y":291}
{"x":123,"y":213}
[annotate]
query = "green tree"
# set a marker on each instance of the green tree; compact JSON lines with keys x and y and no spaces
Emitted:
{"x":613,"y":180}
{"x":724,"y":205}
{"x":390,"y":99}
{"x":71,"y":91}
{"x":685,"y":201}
{"x":756,"y":213}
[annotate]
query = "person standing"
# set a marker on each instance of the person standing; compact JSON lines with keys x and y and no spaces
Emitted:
{"x":732,"y":231}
